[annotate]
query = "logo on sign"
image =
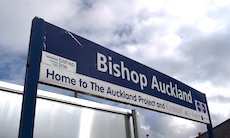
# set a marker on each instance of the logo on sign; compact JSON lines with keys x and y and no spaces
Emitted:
{"x":201,"y":107}
{"x":59,"y":62}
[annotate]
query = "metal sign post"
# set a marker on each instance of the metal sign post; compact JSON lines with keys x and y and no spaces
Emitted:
{"x":31,"y":80}
{"x":210,"y":131}
{"x":136,"y":124}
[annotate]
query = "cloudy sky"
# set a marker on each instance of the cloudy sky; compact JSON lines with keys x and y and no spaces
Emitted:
{"x":185,"y":39}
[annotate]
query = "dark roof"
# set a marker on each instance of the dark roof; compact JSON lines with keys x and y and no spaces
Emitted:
{"x":220,"y":131}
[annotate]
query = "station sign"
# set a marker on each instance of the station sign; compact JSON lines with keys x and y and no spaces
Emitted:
{"x":72,"y":62}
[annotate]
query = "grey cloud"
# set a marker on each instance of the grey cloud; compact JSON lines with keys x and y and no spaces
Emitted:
{"x":16,"y":18}
{"x":221,"y":15}
{"x":124,"y":32}
{"x":207,"y":55}
{"x":207,"y":58}
{"x":218,"y":118}
{"x":86,"y":4}
{"x":220,"y":99}
{"x":112,"y":24}
{"x":12,"y":66}
{"x":187,"y":32}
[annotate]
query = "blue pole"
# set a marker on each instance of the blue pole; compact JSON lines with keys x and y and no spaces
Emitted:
{"x":31,"y":79}
{"x":210,"y":131}
{"x":209,"y":126}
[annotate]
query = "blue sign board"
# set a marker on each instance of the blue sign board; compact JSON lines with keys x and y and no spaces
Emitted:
{"x":60,"y":58}
{"x":73,"y":62}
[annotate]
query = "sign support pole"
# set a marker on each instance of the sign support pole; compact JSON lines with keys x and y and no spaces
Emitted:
{"x":31,"y":79}
{"x":209,"y":126}
{"x":136,"y":124}
{"x":210,"y":131}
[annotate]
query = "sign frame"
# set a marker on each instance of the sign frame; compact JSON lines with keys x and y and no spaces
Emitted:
{"x":31,"y":79}
{"x":36,"y":45}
